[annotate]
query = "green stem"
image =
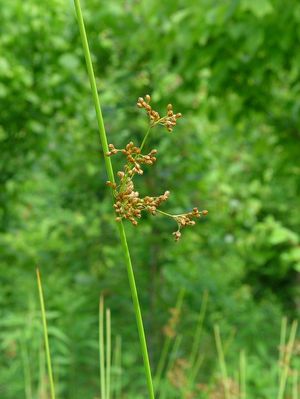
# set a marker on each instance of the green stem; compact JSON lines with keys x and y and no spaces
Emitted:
{"x":164,"y":213}
{"x":282,"y":345}
{"x":287,"y":359}
{"x":243,"y":375}
{"x":108,"y":353}
{"x":117,"y":386}
{"x":148,"y":131}
{"x":101,"y":348}
{"x":145,"y":138}
{"x":198,"y":333}
{"x":110,"y":174}
{"x":295,"y":384}
{"x":42,"y":386}
{"x":222,"y":362}
{"x":46,"y":340}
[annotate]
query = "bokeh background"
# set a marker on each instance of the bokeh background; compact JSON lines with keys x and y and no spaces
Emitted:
{"x":232,"y":68}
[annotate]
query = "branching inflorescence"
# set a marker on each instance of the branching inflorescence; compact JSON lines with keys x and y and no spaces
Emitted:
{"x":128,"y":204}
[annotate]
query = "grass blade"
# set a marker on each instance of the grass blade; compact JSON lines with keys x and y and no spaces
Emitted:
{"x":287,"y":354}
{"x":108,"y":352}
{"x":117,"y":386}
{"x":282,"y":342}
{"x":101,"y":348}
{"x":243,"y":392}
{"x":42,"y":391}
{"x":295,"y":385}
{"x":198,"y":333}
{"x":222,"y":362}
{"x":46,"y":340}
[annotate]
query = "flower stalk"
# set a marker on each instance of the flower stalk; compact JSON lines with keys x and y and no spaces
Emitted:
{"x":110,"y":174}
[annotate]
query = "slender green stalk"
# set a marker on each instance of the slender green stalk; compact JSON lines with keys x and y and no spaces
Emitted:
{"x":46,"y":340}
{"x":101,"y":348}
{"x":287,"y":358}
{"x":42,"y":373}
{"x":108,"y":353}
{"x":110,"y":173}
{"x":194,"y":372}
{"x":243,"y":392}
{"x":222,"y":362}
{"x":117,"y":386}
{"x":167,"y":344}
{"x":171,"y":361}
{"x":145,"y":138}
{"x":195,"y":358}
{"x":198,"y":333}
{"x":295,"y":385}
{"x":283,"y":328}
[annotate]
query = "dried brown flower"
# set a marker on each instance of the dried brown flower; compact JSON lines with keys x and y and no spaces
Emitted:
{"x":169,"y":120}
{"x":186,"y":219}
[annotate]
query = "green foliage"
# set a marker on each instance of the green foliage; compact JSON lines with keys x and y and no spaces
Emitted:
{"x":232,"y":68}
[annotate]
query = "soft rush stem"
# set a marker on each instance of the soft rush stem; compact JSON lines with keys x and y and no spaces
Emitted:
{"x":46,"y":340}
{"x":117,"y":367}
{"x":243,"y":375}
{"x":287,"y":359}
{"x":222,"y":362}
{"x":198,"y":333}
{"x":283,"y":329}
{"x":145,"y":138}
{"x":101,"y":348}
{"x":110,"y":173}
{"x":295,"y":385}
{"x":108,"y":352}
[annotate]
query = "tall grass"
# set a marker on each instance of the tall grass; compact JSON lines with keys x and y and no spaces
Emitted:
{"x":111,"y":371}
{"x":117,"y":367}
{"x":101,"y":349}
{"x":243,"y":391}
{"x":110,"y":174}
{"x":105,"y":351}
{"x":286,"y":355}
{"x":222,"y":362}
{"x":46,"y":339}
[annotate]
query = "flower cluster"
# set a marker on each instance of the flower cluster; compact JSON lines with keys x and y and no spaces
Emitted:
{"x":169,"y":120}
{"x":128,"y":203}
{"x":186,"y":219}
{"x":134,"y":158}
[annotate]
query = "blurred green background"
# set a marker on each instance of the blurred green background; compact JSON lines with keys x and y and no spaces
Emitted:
{"x":232,"y":67}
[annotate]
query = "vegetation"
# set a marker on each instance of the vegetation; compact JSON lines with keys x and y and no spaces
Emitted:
{"x":232,"y":69}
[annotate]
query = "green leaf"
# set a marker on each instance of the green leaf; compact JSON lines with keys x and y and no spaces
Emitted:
{"x":260,"y":8}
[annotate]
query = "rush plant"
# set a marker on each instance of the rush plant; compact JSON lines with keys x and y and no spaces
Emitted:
{"x":127,"y":202}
